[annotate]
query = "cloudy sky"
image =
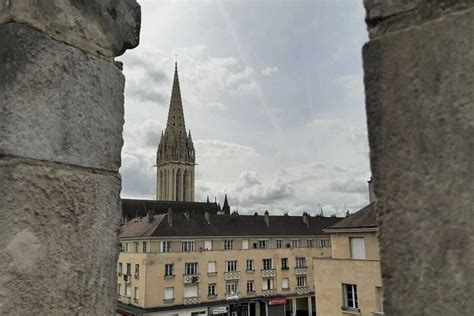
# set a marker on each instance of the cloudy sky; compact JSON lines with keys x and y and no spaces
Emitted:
{"x":272,"y":92}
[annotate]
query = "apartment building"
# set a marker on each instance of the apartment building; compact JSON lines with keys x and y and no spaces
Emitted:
{"x":349,"y":282}
{"x":199,"y":264}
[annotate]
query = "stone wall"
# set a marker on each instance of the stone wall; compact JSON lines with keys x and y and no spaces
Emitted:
{"x":419,"y":81}
{"x":61,"y":124}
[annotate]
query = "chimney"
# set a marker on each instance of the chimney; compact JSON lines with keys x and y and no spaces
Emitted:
{"x":151,"y":216}
{"x":170,"y":216}
{"x":306,"y":219}
{"x":371,"y":190}
{"x":207,"y":216}
{"x":267,"y":218}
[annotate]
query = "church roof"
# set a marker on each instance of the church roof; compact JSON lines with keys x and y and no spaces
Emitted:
{"x":197,"y":225}
{"x":132,"y":208}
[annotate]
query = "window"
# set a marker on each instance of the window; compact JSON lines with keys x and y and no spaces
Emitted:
{"x":379,"y":297}
{"x":250,"y":287}
{"x":119,"y":268}
{"x":127,"y":291}
{"x":187,"y":245}
{"x":310,"y":243}
{"x":263,"y":244}
{"x":126,"y":247}
{"x":301,"y":281}
{"x":231,"y":265}
{"x":137,"y":271}
{"x":165,"y":246}
{"x":245,"y":244}
{"x":300,"y":262}
{"x":228,"y":244}
{"x":169,"y":293}
{"x":250,"y":265}
{"x":211,"y":290}
{"x":135,"y":246}
{"x":208,"y":245}
{"x":211,"y":267}
{"x":267,"y":264}
{"x":350,"y":296}
{"x":145,"y":246}
{"x":324,"y":243}
{"x":121,"y":247}
{"x":135,"y":293}
{"x":191,"y":268}
{"x":357,"y":248}
{"x":191,"y":291}
{"x":119,"y":289}
{"x":284,"y":263}
{"x":169,"y":270}
{"x":129,"y":269}
{"x":267,"y":284}
{"x":295,"y":243}
{"x":279,"y":243}
{"x":231,"y":288}
{"x":285,"y":283}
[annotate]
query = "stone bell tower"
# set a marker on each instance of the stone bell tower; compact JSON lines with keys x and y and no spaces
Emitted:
{"x":175,"y":158}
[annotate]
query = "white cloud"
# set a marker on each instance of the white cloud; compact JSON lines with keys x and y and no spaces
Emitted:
{"x":267,"y":72}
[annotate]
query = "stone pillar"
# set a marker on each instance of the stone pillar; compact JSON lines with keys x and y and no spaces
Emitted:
{"x":61,"y":124}
{"x":310,"y":306}
{"x":419,"y":81}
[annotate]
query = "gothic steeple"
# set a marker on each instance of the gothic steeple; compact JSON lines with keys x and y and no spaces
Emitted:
{"x":226,"y":207}
{"x":175,"y":157}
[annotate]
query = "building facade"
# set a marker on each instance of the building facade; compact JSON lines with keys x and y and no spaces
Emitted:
{"x":200,"y":264}
{"x":349,"y":282}
{"x":175,"y":157}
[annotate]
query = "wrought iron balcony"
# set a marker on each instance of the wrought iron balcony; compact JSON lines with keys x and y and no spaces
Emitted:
{"x":232,"y":275}
{"x":302,"y":290}
{"x":191,"y":300}
{"x":267,"y":273}
{"x":270,"y":292}
{"x":191,"y":278}
{"x":301,"y":270}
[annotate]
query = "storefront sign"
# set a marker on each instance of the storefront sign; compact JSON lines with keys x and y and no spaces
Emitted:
{"x":277,"y":302}
{"x":218,"y":310}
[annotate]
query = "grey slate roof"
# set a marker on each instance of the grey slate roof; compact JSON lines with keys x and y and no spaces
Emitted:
{"x":226,"y":225}
{"x":364,"y":218}
{"x":132,"y":208}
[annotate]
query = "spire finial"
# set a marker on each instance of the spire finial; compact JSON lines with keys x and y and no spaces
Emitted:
{"x":176,"y":62}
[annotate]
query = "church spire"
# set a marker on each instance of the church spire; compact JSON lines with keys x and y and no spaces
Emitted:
{"x":175,"y":126}
{"x":226,"y":207}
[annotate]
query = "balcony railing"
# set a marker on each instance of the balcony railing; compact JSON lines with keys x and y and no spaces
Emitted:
{"x":266,"y":273}
{"x":192,"y":300}
{"x":270,"y":292}
{"x":302,"y":290}
{"x":350,"y":310}
{"x":191,"y":278}
{"x":232,"y":275}
{"x":301,"y":270}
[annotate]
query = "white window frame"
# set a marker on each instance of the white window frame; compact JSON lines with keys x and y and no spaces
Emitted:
{"x":191,"y":268}
{"x":165,"y":246}
{"x":208,"y":245}
{"x":310,"y":243}
{"x":265,"y":265}
{"x":245,"y":244}
{"x":230,"y":265}
{"x":212,"y":289}
{"x":127,"y":291}
{"x":227,"y":244}
{"x":295,"y":243}
{"x":301,"y":262}
{"x":211,"y":267}
{"x":350,"y":298}
{"x":284,"y":266}
{"x":285,"y":283}
{"x":279,"y":243}
{"x":135,"y":293}
{"x":168,"y":293}
{"x":250,"y":265}
{"x":357,"y":245}
{"x":325,"y":243}
{"x":250,"y":286}
{"x":268,"y":284}
{"x":136,"y":246}
{"x":187,"y":245}
{"x":145,"y":247}
{"x":188,"y":289}
{"x":169,"y":269}
{"x":301,"y":281}
{"x":233,"y":287}
{"x":263,"y":243}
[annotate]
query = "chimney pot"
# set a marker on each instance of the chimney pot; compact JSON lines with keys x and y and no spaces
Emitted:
{"x":306,"y":219}
{"x":207,"y":215}
{"x":267,"y":218}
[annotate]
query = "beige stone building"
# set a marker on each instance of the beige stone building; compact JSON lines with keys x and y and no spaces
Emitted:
{"x":200,"y":264}
{"x":349,"y":281}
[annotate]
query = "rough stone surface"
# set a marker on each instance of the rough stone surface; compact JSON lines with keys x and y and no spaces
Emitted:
{"x":102,"y":27}
{"x":386,"y":16}
{"x":58,"y":237}
{"x":58,"y":103}
{"x":420,"y":107}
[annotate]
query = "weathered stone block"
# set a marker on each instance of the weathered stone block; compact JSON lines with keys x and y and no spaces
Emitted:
{"x":58,"y":103}
{"x":59,"y":227}
{"x":102,"y":27}
{"x":420,"y":107}
{"x":386,"y":16}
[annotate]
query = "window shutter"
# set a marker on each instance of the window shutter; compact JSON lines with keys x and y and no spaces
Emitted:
{"x":211,"y":267}
{"x":245,"y":244}
{"x":190,"y":291}
{"x":285,"y":284}
{"x":357,"y":248}
{"x":169,"y":295}
{"x":208,"y":245}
